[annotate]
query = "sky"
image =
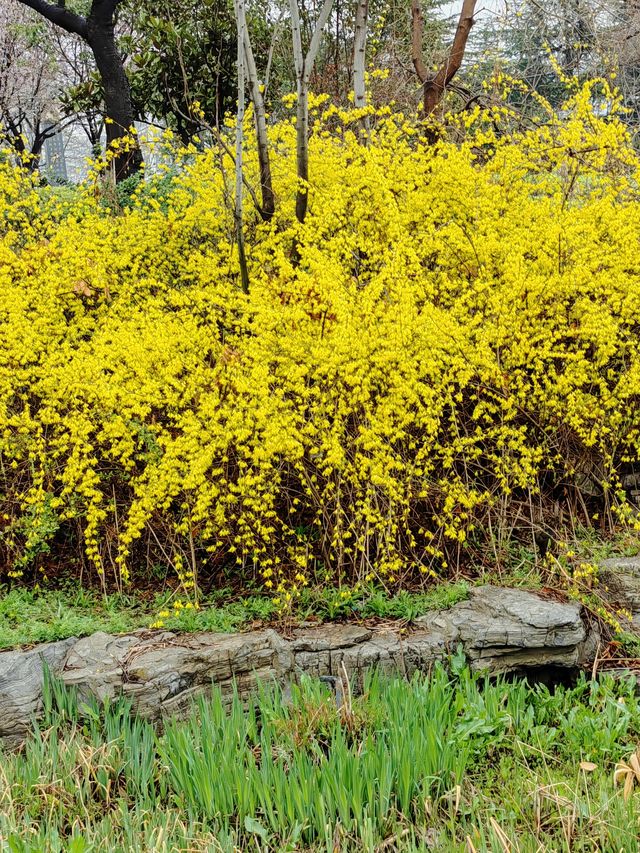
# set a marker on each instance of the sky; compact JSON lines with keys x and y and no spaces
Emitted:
{"x":484,"y":7}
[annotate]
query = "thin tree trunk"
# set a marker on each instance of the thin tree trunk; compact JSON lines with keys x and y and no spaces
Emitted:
{"x":117,"y":94}
{"x":417,"y":32}
{"x":98,"y":31}
{"x":266,"y":184}
{"x":302,"y":115}
{"x":359,"y":54}
{"x":302,"y":151}
{"x":241,"y":24}
{"x":435,"y":85}
{"x":304,"y":67}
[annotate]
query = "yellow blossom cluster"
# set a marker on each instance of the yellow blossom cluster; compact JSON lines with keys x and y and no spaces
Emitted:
{"x":452,"y":332}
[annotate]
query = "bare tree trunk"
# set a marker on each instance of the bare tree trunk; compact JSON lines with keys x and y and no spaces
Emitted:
{"x":359,"y":54}
{"x":117,"y":94}
{"x":434,"y":85}
{"x":255,"y":89}
{"x":302,"y":153}
{"x":417,"y":32}
{"x":241,"y":24}
{"x":304,"y":67}
{"x":302,"y":116}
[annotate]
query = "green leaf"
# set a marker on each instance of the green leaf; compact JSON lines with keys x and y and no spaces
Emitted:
{"x":255,"y":828}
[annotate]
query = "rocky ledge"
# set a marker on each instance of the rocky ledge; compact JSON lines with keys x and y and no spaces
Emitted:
{"x":500,"y":630}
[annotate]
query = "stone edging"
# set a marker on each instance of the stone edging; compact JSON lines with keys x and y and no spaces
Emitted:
{"x":499,"y":629}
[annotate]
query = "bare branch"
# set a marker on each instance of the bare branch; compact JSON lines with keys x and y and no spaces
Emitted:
{"x":268,"y":199}
{"x":417,"y":30}
{"x":274,"y":37}
{"x":60,"y":16}
{"x":359,"y":54}
{"x":304,"y":67}
{"x":241,"y":22}
{"x":298,"y":55}
{"x":434,"y":89}
{"x":314,"y":46}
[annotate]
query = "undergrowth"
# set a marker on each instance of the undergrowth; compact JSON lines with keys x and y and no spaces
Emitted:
{"x":450,"y":762}
{"x":37,"y":616}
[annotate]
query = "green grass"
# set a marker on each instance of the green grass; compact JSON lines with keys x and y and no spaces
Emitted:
{"x":35,"y":616}
{"x":450,"y":762}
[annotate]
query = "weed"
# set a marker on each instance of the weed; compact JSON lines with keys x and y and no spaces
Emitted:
{"x":449,"y":762}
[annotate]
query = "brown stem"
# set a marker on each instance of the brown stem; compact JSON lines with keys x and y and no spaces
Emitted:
{"x":435,"y":87}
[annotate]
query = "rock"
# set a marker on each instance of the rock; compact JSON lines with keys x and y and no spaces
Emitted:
{"x":382,"y":650}
{"x":95,"y":664}
{"x":162,"y":673}
{"x":322,"y":651}
{"x":502,"y":630}
{"x":620,"y":583}
{"x":21,"y":678}
{"x":510,"y":630}
{"x":321,"y":638}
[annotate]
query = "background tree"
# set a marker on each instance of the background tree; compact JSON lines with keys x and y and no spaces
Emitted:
{"x":180,"y":53}
{"x":360,"y":53}
{"x":303,"y":63}
{"x":241,"y":24}
{"x":388,"y":49}
{"x":622,"y":43}
{"x":435,"y":84}
{"x":30,"y":82}
{"x":98,"y":30}
{"x":82,"y":97}
{"x":256,"y":89}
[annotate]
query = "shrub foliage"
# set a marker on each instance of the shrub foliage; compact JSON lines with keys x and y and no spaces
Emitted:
{"x":442,"y":357}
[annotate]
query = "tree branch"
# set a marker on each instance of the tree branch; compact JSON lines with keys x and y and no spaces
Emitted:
{"x":268,"y":198}
{"x":435,"y":87}
{"x":103,"y":11}
{"x":417,"y":29}
{"x":59,"y":16}
{"x":298,"y":56}
{"x":321,"y":23}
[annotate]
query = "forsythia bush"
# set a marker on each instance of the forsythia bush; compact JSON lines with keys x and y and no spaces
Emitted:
{"x":440,"y":357}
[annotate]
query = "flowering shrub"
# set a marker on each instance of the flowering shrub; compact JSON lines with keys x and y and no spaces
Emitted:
{"x":440,"y":357}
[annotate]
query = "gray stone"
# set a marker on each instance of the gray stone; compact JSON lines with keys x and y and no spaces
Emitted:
{"x":94,"y":664}
{"x":620,"y":582}
{"x":511,"y":630}
{"x":21,"y":678}
{"x":361,"y":649}
{"x":162,"y":673}
{"x":321,"y":638}
{"x":502,"y":630}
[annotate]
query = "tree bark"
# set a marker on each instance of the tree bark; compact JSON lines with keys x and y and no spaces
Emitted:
{"x":117,"y":94}
{"x":98,"y":31}
{"x":359,"y":54}
{"x":241,"y":24}
{"x":302,"y":152}
{"x":266,"y":184}
{"x":434,"y":86}
{"x":417,"y":31}
{"x":304,"y":66}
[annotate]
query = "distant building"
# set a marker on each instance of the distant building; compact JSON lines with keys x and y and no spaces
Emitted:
{"x":53,"y":162}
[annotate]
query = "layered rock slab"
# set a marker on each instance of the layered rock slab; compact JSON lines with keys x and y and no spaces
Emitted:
{"x":512,"y":630}
{"x":21,"y":684}
{"x":499,"y":629}
{"x":160,"y":672}
{"x":620,"y":584}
